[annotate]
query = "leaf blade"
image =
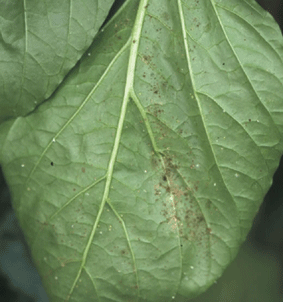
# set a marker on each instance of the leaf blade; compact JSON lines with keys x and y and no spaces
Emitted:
{"x":184,"y":179}
{"x":40,"y":43}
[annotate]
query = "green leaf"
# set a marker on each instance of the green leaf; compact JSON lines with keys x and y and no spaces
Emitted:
{"x":140,"y":178}
{"x":40,"y":41}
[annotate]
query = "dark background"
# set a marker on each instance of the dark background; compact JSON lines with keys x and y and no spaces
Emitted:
{"x":255,"y":275}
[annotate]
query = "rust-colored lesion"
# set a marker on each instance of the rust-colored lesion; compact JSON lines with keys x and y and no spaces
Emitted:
{"x":174,"y":190}
{"x":146,"y":59}
{"x":180,"y":206}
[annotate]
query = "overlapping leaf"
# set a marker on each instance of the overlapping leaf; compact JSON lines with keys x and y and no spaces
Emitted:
{"x":140,"y":179}
{"x":40,"y":41}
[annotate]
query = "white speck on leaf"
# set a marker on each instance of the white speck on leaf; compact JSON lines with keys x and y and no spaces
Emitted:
{"x":53,"y":140}
{"x":22,"y":165}
{"x":214,"y":184}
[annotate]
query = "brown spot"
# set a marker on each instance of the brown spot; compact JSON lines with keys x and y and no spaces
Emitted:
{"x":83,"y":169}
{"x":146,"y":59}
{"x":200,"y":218}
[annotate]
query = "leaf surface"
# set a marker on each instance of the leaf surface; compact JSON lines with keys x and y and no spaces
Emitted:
{"x":140,"y":179}
{"x":40,"y":41}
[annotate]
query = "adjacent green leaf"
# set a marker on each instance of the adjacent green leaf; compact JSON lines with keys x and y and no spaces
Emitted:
{"x":140,"y":179}
{"x":40,"y":41}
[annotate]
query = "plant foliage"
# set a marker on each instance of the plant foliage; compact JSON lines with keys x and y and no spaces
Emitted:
{"x":139,"y":178}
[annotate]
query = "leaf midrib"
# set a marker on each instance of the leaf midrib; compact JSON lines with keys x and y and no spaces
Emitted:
{"x":135,"y":40}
